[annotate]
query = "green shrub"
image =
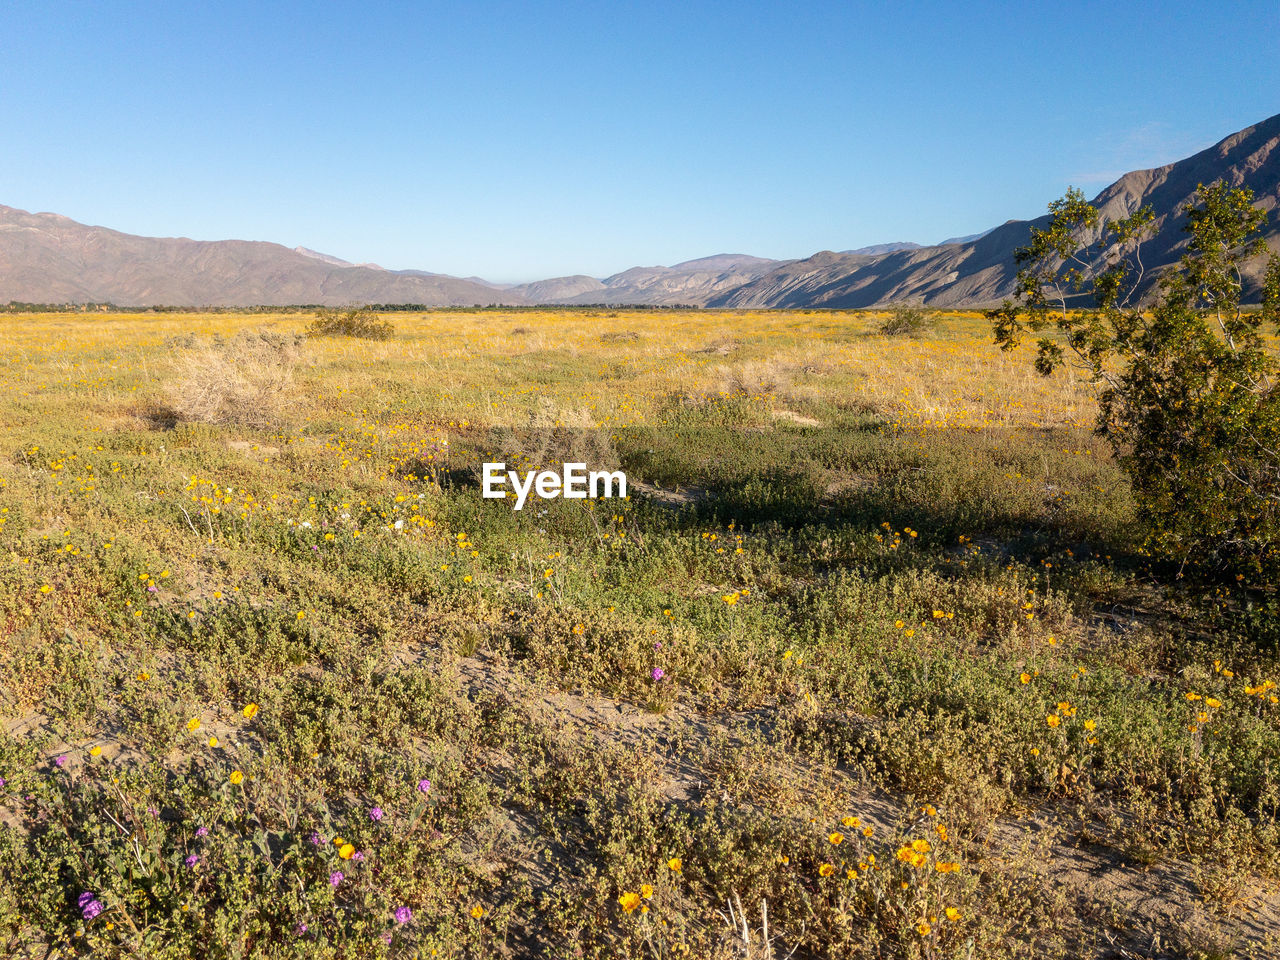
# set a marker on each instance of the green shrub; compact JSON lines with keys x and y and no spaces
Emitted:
{"x":906,"y":318}
{"x":350,"y":323}
{"x":1188,"y":394}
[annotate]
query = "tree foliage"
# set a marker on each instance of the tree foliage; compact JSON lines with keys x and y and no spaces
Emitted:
{"x":1189,"y":394}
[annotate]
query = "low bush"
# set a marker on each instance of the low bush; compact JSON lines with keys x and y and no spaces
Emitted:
{"x":906,"y":318}
{"x":364,"y":324}
{"x":245,"y":380}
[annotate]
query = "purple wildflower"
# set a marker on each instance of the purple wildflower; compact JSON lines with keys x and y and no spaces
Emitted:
{"x":301,"y":929}
{"x":3,"y":781}
{"x":59,"y":761}
{"x":358,"y":856}
{"x":193,"y":860}
{"x":316,"y":839}
{"x":202,"y":832}
{"x":90,"y":906}
{"x":336,"y":878}
{"x":658,"y":673}
{"x":375,"y":814}
{"x":403,"y":914}
{"x":424,"y":786}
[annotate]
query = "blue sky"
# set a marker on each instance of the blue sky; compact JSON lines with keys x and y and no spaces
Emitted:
{"x":523,"y":140}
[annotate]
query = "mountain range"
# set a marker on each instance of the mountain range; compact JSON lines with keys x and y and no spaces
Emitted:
{"x":47,"y":258}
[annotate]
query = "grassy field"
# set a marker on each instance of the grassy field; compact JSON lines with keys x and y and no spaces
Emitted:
{"x":869,"y":664}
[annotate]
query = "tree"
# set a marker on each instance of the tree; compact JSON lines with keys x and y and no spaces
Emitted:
{"x":1188,"y":393}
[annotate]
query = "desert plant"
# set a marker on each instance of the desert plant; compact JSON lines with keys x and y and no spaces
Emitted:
{"x":753,"y":378}
{"x":1188,"y":395}
{"x":553,"y":434}
{"x":362,"y":323}
{"x":905,"y":318}
{"x":246,"y":380}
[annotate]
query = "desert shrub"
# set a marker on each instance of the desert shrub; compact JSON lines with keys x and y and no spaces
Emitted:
{"x":548,"y":437}
{"x":722,"y":346}
{"x":1187,"y":386}
{"x":553,"y":435}
{"x":364,"y":324}
{"x":754,"y":378}
{"x":245,"y":380}
{"x":906,"y":318}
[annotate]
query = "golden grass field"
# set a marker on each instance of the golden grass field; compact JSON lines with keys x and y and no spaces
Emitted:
{"x":870,"y":663}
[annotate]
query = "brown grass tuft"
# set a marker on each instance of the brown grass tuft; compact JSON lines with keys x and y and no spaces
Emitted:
{"x":246,"y":380}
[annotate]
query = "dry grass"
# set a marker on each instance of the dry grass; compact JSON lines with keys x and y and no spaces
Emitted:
{"x":753,"y":378}
{"x":247,"y":380}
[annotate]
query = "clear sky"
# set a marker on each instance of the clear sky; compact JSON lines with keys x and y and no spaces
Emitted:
{"x":522,"y":140}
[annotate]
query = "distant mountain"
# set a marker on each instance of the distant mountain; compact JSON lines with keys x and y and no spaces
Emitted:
{"x":691,"y":282}
{"x":981,"y":271}
{"x":964,"y":239}
{"x":323,"y":257}
{"x":559,"y":289}
{"x":878,"y":248}
{"x":46,"y":258}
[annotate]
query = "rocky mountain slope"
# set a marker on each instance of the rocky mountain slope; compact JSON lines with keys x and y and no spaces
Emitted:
{"x":692,"y":282}
{"x":981,"y":271}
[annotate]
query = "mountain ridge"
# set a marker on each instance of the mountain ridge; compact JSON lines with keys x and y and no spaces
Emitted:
{"x":50,"y":258}
{"x":981,"y":272}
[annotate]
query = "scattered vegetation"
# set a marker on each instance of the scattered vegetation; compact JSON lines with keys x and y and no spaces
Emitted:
{"x":905,"y":319}
{"x":871,"y":663}
{"x":363,"y":323}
